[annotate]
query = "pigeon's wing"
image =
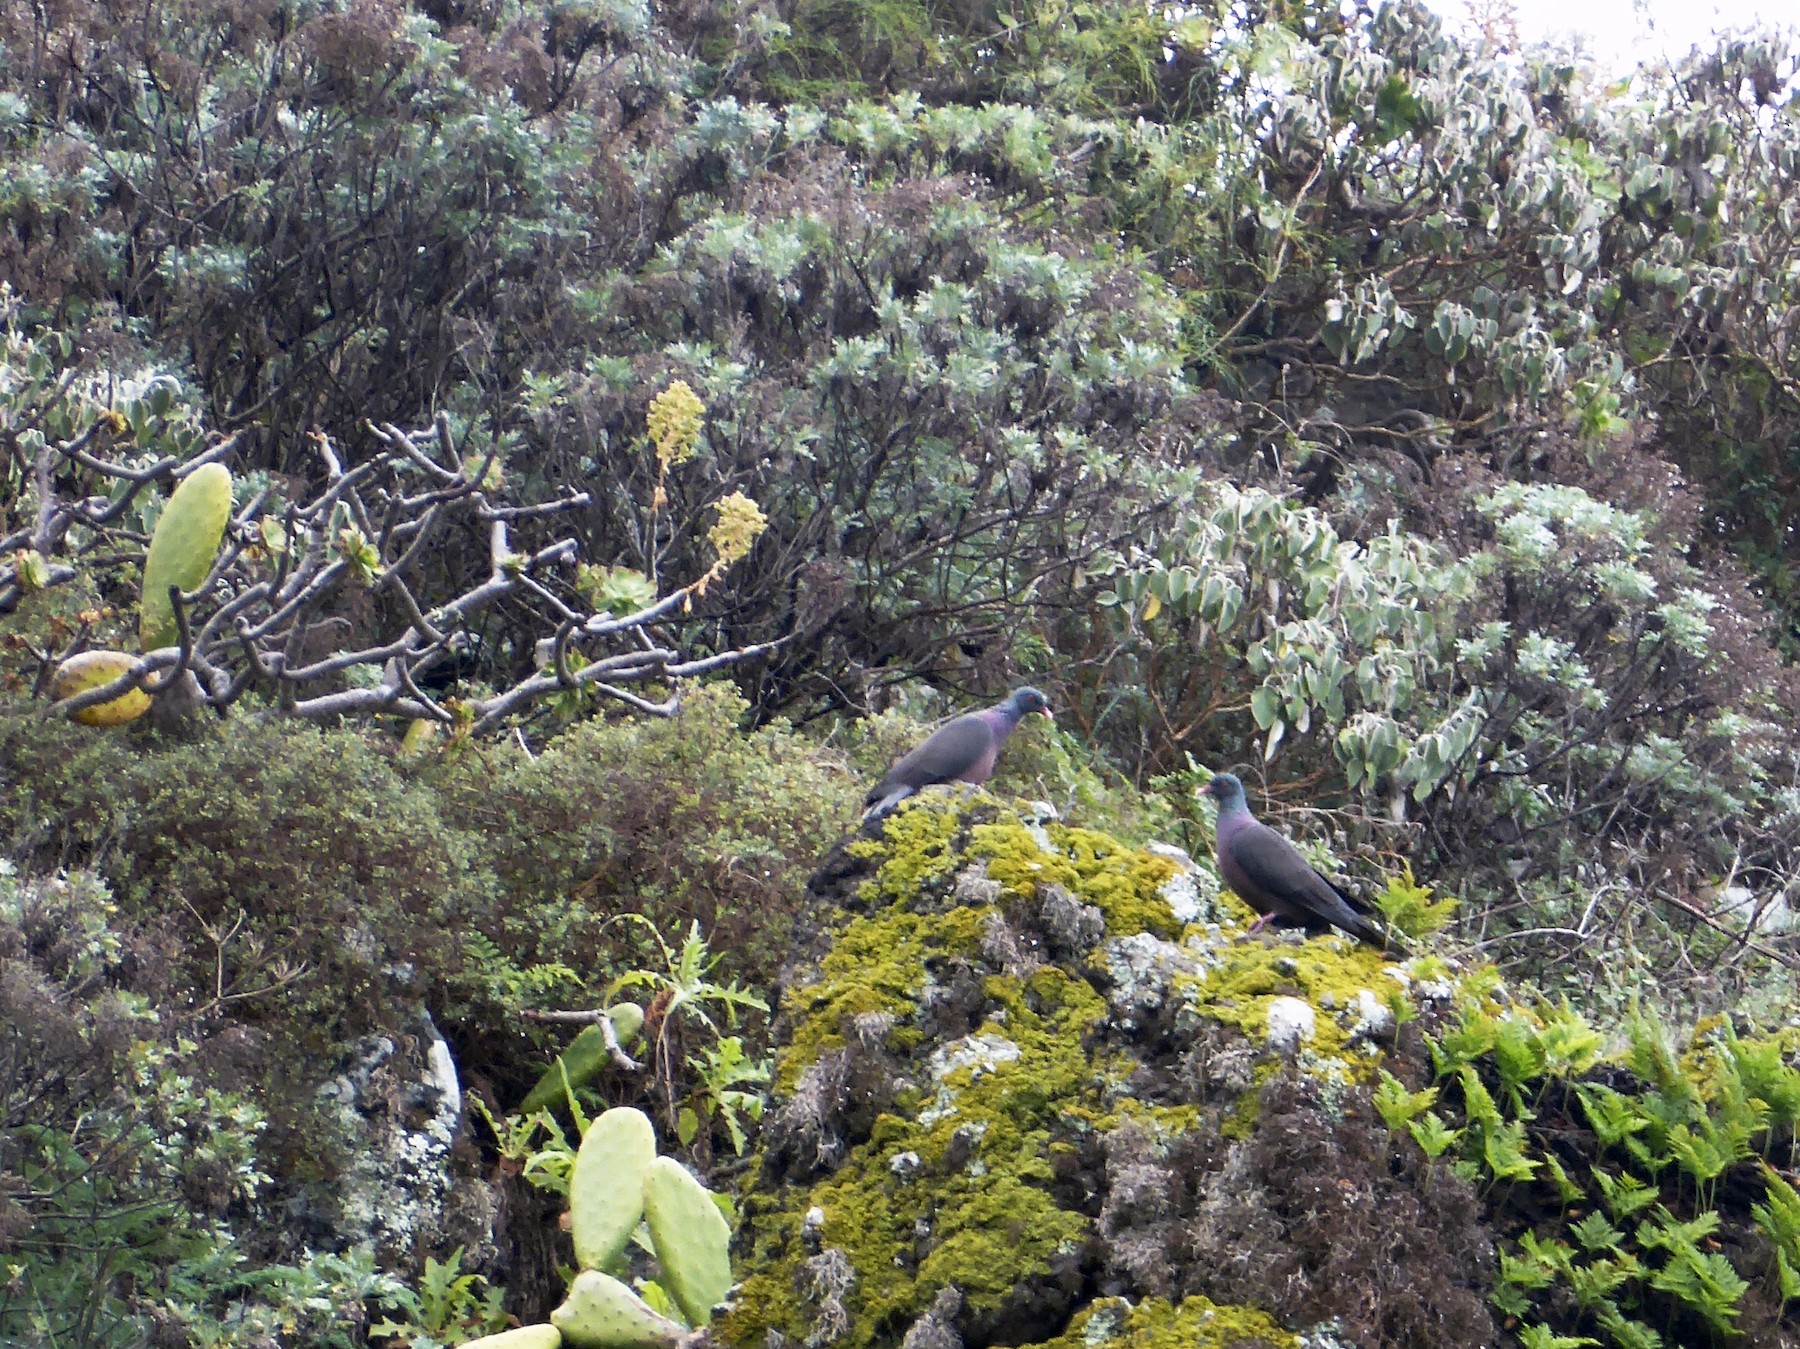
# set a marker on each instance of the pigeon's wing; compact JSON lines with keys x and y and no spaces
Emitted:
{"x":1275,"y":866}
{"x":947,"y":753}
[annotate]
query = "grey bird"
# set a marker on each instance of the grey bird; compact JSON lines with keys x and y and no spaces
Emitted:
{"x":962,"y":750}
{"x":1269,"y":874}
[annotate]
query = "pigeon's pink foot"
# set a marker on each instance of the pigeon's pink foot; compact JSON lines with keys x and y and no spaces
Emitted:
{"x":1258,"y":925}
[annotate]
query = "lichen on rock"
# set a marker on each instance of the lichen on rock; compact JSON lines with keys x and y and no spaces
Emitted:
{"x":1197,"y":1323}
{"x":1020,"y":1097}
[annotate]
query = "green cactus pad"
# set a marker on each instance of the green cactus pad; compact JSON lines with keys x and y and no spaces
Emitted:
{"x":628,"y":1020}
{"x":606,"y":1188}
{"x":602,"y":1313}
{"x":90,"y":670}
{"x":525,"y":1337}
{"x":182,"y":549}
{"x":584,"y":1058}
{"x":692,"y":1239}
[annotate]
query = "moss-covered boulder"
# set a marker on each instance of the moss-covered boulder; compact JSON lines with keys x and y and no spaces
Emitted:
{"x":1037,"y":1087}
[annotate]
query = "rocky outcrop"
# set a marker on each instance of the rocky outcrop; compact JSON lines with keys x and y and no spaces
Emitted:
{"x":1035,"y":1087}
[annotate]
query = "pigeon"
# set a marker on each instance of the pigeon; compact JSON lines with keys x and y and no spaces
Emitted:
{"x":1270,"y":874}
{"x":962,"y":750}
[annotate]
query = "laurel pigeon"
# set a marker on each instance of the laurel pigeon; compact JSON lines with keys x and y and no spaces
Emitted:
{"x":1269,"y":873}
{"x":962,"y":750}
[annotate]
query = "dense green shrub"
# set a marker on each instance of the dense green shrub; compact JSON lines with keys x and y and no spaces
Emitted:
{"x":681,"y":821}
{"x":1541,"y":681}
{"x":319,"y":887}
{"x":131,"y":1185}
{"x":263,"y":893}
{"x":306,"y":880}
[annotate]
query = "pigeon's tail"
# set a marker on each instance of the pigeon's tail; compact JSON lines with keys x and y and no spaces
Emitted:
{"x":1339,"y":913}
{"x":1363,"y":930}
{"x":1382,"y":938}
{"x":879,"y":807}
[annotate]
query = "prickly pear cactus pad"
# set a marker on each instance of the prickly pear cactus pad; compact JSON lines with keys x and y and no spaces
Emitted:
{"x":602,"y":1313}
{"x":525,"y":1337}
{"x":692,"y":1239}
{"x":1033,"y":1080}
{"x":182,"y":549}
{"x":606,"y":1187}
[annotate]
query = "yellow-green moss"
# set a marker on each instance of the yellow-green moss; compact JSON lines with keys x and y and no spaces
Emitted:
{"x":1195,"y":1323}
{"x":990,"y":1221}
{"x":983,"y":1217}
{"x":1167,"y":1121}
{"x":956,"y":1184}
{"x":1250,"y":975}
{"x":1123,"y":883}
{"x":875,"y":965}
{"x":916,"y":847}
{"x":1240,"y":1121}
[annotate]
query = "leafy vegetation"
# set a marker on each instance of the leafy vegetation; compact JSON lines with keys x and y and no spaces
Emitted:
{"x":1403,"y":418}
{"x":209,"y":971}
{"x":1335,"y":386}
{"x":1621,"y":1177}
{"x":136,"y":1180}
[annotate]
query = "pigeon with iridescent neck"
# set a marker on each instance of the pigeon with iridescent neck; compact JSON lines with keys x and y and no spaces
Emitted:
{"x":963,"y":750}
{"x":1269,"y":874}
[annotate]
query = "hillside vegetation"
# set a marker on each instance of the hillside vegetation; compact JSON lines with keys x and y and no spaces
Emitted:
{"x":623,"y":402}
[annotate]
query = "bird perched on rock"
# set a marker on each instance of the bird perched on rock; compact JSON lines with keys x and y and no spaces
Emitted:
{"x":1269,"y":873}
{"x":962,"y":750}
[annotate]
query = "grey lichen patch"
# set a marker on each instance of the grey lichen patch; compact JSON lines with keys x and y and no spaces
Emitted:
{"x":972,"y":1057}
{"x":1142,"y":968}
{"x":1291,"y":1024}
{"x":1193,"y":893}
{"x":398,"y":1104}
{"x":1374,"y":1019}
{"x":1031,"y":1074}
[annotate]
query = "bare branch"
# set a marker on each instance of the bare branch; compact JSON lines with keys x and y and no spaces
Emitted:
{"x":267,"y":615}
{"x":608,"y":1035}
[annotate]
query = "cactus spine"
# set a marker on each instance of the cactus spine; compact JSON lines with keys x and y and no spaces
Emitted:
{"x":182,"y":549}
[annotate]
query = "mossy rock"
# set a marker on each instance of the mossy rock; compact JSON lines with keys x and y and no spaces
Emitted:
{"x":1156,"y":1323}
{"x":1027,"y":1094}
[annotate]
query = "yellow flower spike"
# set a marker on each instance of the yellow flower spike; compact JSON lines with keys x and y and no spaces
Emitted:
{"x":740,"y":523}
{"x":675,"y":417}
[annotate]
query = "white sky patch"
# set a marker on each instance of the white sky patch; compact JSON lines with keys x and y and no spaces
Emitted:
{"x":1626,"y":32}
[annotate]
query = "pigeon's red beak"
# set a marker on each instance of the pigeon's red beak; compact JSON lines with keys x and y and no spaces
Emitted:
{"x":1048,"y":714}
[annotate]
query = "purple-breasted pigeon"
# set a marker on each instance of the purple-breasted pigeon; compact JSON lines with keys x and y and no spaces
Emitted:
{"x":1270,"y":875}
{"x":962,"y":750}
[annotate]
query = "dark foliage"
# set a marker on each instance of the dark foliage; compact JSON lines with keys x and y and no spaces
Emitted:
{"x":1395,"y":1247}
{"x":302,"y":876}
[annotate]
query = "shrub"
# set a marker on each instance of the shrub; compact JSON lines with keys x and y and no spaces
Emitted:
{"x":306,"y":881}
{"x":1546,"y":680}
{"x":129,"y":1177}
{"x":682,"y":821}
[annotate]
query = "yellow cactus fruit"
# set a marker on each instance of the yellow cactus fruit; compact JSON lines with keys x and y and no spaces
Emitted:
{"x":90,"y":670}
